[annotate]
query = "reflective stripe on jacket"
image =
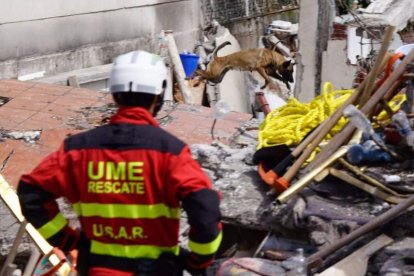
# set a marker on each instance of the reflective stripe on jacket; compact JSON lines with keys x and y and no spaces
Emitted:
{"x":126,"y":181}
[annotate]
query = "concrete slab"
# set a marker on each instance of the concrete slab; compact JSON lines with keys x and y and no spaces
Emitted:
{"x":59,"y":111}
{"x":85,"y":75}
{"x":388,"y":12}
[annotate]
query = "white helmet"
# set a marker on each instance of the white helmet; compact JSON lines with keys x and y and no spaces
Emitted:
{"x":138,"y":71}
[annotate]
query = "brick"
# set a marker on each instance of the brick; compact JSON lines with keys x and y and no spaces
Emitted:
{"x":16,"y":85}
{"x":39,"y":97}
{"x":68,"y":100}
{"x":53,"y":138}
{"x":20,"y":103}
{"x":86,"y":93}
{"x":49,"y":89}
{"x":42,"y":120}
{"x":14,"y":114}
{"x":23,"y":160}
{"x":8,"y":123}
{"x":61,"y":110}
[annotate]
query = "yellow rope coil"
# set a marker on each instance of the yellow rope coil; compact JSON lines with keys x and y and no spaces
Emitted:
{"x":290,"y":123}
{"x":394,"y":104}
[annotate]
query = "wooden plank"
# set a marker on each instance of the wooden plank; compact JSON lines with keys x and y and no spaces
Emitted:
{"x":342,"y":137}
{"x":11,"y":200}
{"x":356,"y":264}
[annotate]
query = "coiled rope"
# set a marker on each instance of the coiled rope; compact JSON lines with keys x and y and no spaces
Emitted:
{"x":290,"y":123}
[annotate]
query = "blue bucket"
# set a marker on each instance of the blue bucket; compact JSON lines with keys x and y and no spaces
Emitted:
{"x":190,"y":62}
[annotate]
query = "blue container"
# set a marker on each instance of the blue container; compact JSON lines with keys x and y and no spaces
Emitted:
{"x":190,"y":62}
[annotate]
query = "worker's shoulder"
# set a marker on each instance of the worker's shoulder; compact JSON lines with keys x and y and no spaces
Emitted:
{"x":164,"y":136}
{"x":126,"y":135}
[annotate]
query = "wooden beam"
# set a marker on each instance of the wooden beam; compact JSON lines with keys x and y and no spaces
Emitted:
{"x":11,"y":200}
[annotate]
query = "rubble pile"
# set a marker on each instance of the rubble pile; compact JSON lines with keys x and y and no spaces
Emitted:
{"x":328,"y":200}
{"x":336,"y":198}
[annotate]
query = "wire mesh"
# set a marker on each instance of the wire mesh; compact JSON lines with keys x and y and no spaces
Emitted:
{"x":229,"y":10}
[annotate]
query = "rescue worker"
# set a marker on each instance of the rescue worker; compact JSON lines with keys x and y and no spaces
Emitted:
{"x":126,"y":181}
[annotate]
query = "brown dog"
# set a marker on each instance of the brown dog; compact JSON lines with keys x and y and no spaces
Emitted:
{"x":265,"y":61}
{"x":285,"y":75}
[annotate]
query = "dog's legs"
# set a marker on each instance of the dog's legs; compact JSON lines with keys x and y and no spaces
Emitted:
{"x":268,"y":81}
{"x":262,"y":73}
{"x":287,"y":85}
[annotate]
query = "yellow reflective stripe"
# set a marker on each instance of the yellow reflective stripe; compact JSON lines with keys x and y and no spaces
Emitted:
{"x":206,"y":248}
{"x":131,"y":251}
{"x":52,"y":227}
{"x":131,"y":211}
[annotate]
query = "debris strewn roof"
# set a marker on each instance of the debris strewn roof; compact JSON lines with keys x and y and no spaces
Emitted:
{"x":54,"y":111}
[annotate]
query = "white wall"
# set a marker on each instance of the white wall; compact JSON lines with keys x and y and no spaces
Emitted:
{"x":57,"y":36}
{"x":306,"y":70}
{"x":335,"y":68}
{"x":23,"y":10}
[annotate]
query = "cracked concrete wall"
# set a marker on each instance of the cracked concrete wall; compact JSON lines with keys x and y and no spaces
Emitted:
{"x":316,"y":16}
{"x":60,"y":36}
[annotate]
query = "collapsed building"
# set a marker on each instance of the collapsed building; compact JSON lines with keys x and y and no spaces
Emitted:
{"x":263,"y":229}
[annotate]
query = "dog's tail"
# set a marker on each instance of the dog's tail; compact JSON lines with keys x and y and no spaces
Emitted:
{"x":222,"y":45}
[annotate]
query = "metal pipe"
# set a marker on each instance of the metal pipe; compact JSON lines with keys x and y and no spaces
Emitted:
{"x":264,"y":105}
{"x":382,"y":219}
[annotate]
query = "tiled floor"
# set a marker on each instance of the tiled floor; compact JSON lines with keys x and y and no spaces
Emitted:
{"x":59,"y":111}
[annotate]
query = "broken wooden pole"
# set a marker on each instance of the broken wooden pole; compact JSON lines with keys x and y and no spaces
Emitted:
{"x":342,"y":137}
{"x":303,"y":181}
{"x":377,"y":66}
{"x":375,"y":191}
{"x":315,"y":138}
{"x":316,"y":259}
{"x":11,"y":200}
{"x":31,"y":263}
{"x":178,"y":67}
{"x":9,"y":270}
{"x":357,"y":263}
{"x":369,"y":179}
{"x":13,"y":251}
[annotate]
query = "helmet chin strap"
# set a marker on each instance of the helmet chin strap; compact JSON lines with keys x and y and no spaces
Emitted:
{"x":159,"y":101}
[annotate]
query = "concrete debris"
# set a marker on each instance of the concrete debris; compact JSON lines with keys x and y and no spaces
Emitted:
{"x":8,"y":229}
{"x":245,"y":202}
{"x":27,"y":136}
{"x":389,"y":12}
{"x":93,"y":116}
{"x":324,"y":211}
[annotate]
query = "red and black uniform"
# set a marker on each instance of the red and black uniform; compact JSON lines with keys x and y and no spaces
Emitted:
{"x":125,"y":181}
